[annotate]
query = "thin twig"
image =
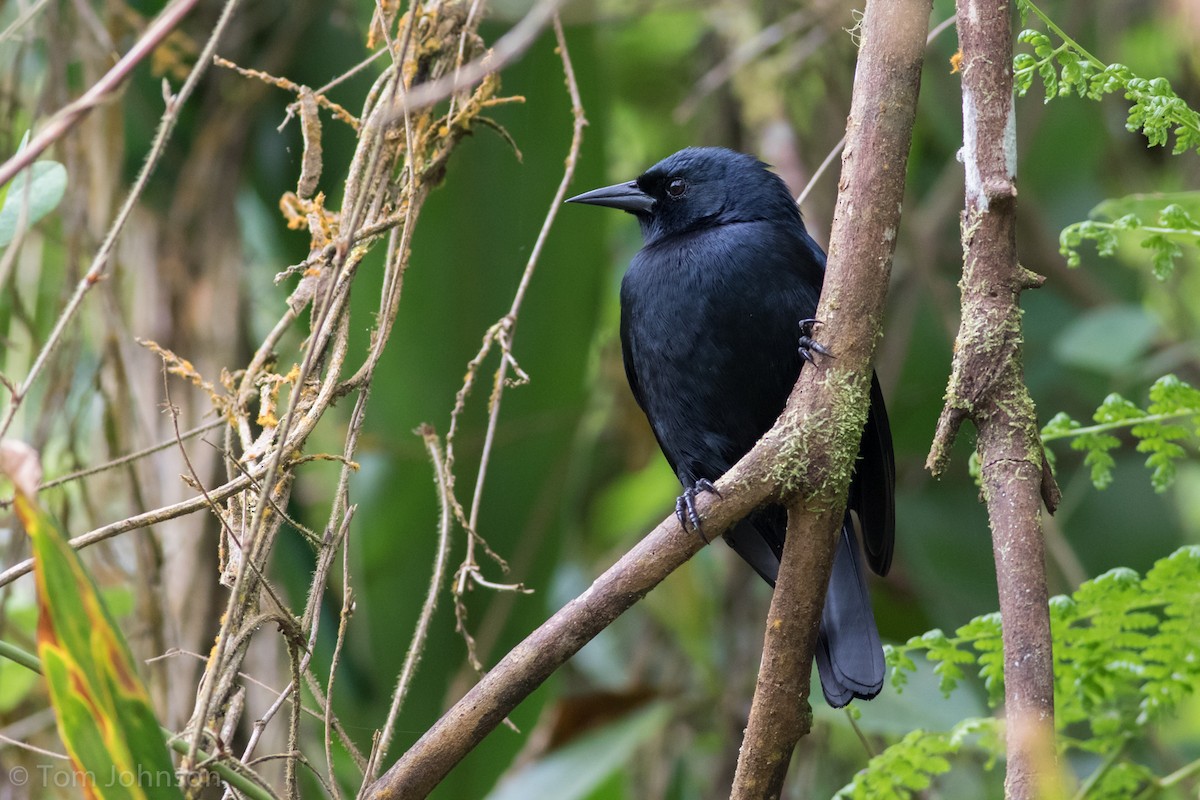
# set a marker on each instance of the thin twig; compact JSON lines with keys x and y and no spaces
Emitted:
{"x":198,"y":484}
{"x":160,"y":28}
{"x":246,"y":676}
{"x":417,"y":646}
{"x":290,"y":86}
{"x":32,"y":749}
{"x":335,"y":660}
{"x":31,"y":11}
{"x":744,"y":53}
{"x":345,"y":76}
{"x":191,"y":433}
{"x":68,"y":116}
{"x":385,"y":183}
{"x":816,"y":176}
{"x":311,"y":623}
{"x":945,"y":24}
{"x":501,"y":334}
{"x":462,"y":52}
{"x":507,"y":49}
{"x":255,"y":543}
{"x":527,"y":665}
{"x":172,"y":511}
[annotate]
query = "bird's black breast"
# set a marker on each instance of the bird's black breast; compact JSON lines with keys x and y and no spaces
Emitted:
{"x":709,"y":334}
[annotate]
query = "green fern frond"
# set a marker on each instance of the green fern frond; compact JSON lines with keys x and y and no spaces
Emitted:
{"x":1125,"y":656}
{"x":1171,"y":418}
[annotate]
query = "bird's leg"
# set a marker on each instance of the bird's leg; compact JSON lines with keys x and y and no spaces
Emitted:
{"x":685,"y":505}
{"x":809,"y":345}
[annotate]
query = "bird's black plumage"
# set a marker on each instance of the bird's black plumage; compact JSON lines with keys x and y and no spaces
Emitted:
{"x":710,"y":308}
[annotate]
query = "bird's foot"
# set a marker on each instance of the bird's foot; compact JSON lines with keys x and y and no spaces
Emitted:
{"x":685,"y":505}
{"x":810,"y":348}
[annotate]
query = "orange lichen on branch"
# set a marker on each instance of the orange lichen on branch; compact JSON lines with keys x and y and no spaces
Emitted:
{"x":269,"y":385}
{"x":181,"y":367}
{"x":381,"y":22}
{"x":291,"y":86}
{"x":301,"y":214}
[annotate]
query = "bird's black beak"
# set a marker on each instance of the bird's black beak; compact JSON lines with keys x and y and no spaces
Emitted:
{"x":625,"y":196}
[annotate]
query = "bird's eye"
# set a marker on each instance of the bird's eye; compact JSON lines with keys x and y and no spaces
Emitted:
{"x":676,"y":187}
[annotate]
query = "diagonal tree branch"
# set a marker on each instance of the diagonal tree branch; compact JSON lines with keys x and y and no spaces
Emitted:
{"x":531,"y":662}
{"x":987,"y":386}
{"x":66,"y":118}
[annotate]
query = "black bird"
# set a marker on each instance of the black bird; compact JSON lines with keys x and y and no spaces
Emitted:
{"x":715,"y":326}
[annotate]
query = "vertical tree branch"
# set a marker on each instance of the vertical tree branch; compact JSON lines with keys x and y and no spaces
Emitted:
{"x":863,"y":239}
{"x":987,"y":386}
{"x":780,"y":713}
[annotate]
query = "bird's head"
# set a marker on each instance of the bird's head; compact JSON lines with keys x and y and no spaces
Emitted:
{"x":697,"y":188}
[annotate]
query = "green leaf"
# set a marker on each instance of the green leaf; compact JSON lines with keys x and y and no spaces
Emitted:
{"x":1059,"y":426}
{"x":1023,"y":69}
{"x":1176,"y":216}
{"x":1175,"y":225}
{"x":910,"y":765}
{"x":1155,"y":109}
{"x":919,"y":703}
{"x":1172,"y":418}
{"x":35,"y":192}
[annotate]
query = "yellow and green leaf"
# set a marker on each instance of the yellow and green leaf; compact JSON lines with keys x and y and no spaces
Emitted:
{"x":104,"y":713}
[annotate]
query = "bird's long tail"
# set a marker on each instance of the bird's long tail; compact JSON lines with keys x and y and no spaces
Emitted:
{"x":849,"y":654}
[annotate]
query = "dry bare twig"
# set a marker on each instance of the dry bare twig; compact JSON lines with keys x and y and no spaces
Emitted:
{"x":268,"y":415}
{"x":417,"y":645}
{"x":508,"y":48}
{"x":66,"y":118}
{"x":139,"y":521}
{"x":396,"y":164}
{"x":501,"y":335}
{"x":837,"y":148}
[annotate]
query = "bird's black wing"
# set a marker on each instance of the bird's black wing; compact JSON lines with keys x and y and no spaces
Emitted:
{"x":629,"y":357}
{"x":758,"y":539}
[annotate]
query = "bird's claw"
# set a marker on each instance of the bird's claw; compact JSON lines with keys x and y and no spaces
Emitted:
{"x":685,"y":505}
{"x":810,"y":346}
